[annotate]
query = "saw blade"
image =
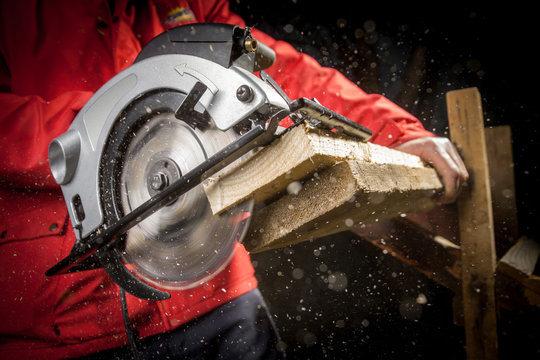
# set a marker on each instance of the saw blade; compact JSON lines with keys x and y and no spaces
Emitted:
{"x":183,"y":244}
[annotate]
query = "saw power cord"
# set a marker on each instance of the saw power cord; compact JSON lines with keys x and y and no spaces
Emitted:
{"x":127,"y":325}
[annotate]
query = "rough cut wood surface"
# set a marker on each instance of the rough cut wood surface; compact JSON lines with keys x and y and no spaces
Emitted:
{"x":337,"y":183}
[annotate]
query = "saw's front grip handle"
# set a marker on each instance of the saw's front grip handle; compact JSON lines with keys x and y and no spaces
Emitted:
{"x":329,"y":118}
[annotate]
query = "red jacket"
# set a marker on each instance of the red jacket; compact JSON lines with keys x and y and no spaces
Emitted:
{"x":54,"y":56}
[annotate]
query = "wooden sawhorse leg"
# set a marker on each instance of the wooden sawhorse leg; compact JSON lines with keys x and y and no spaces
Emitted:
{"x":477,"y":241}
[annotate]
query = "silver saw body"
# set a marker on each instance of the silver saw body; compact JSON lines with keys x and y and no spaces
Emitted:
{"x":132,"y":164}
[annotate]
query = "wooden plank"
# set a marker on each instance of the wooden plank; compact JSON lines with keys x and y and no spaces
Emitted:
{"x":517,"y":283}
{"x":523,"y":256}
{"x":431,"y":255}
{"x":345,"y":195}
{"x":477,"y":242}
{"x":503,"y":192}
{"x":266,"y":173}
{"x":516,"y":291}
{"x":299,"y":154}
{"x":340,"y":182}
{"x":440,"y":220}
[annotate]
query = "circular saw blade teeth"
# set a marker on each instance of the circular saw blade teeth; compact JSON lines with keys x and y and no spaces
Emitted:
{"x":183,"y":244}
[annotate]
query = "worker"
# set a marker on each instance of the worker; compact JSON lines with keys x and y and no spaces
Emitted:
{"x":53,"y":57}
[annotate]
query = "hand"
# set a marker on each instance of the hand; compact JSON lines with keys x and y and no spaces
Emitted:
{"x":444,"y":157}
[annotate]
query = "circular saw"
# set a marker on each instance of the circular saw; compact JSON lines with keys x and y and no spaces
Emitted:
{"x":132,"y":164}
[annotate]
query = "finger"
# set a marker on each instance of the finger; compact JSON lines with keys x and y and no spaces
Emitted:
{"x":452,"y":174}
{"x":450,"y":184}
{"x":452,"y":188}
{"x":452,"y":150}
{"x":452,"y":167}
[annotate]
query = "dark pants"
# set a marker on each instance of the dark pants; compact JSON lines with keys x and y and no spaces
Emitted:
{"x":240,"y":329}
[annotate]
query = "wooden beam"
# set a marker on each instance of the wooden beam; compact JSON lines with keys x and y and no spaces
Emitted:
{"x":340,"y":183}
{"x":439,"y":259}
{"x":303,"y":151}
{"x":515,"y":272}
{"x":503,"y":192}
{"x":348,"y":194}
{"x":522,"y":257}
{"x":431,"y":255}
{"x":477,"y":242}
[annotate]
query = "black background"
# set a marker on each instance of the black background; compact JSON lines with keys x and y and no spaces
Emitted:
{"x":413,"y":55}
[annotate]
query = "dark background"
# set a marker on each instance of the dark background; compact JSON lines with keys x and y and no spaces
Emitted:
{"x":339,"y":297}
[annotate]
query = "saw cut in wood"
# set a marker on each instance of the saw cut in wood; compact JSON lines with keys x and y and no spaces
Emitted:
{"x":334,"y":182}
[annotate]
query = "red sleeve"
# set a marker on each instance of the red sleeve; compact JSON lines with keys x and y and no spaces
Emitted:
{"x":28,"y":125}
